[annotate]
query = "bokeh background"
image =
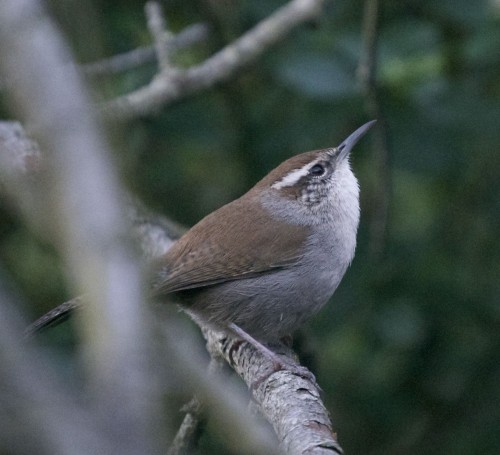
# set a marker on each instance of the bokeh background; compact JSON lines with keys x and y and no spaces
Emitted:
{"x":408,"y":350}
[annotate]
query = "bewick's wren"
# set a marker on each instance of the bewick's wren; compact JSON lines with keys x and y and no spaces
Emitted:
{"x":269,"y":260}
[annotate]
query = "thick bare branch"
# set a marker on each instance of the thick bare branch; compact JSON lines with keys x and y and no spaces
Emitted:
{"x":170,"y":86}
{"x":291,"y":403}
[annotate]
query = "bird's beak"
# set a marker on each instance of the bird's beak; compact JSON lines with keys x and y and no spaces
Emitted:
{"x":346,"y":146}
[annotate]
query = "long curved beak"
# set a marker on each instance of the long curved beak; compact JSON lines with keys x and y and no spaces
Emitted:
{"x":346,"y":146}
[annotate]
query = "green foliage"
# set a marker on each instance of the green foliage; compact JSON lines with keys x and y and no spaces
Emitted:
{"x":408,"y":351}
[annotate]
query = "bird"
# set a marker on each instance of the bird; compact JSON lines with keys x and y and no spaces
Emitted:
{"x":265,"y":263}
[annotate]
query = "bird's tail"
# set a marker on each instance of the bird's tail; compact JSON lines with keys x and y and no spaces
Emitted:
{"x":54,"y":317}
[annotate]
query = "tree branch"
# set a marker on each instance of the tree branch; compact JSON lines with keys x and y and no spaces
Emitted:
{"x":291,"y":403}
{"x":187,"y":436}
{"x":193,"y":34}
{"x":170,"y":86}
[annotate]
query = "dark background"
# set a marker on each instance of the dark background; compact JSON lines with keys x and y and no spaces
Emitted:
{"x":408,"y":350}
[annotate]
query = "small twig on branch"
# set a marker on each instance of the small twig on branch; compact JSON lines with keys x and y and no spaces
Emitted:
{"x":193,"y":34}
{"x":168,"y":87}
{"x":189,"y":431}
{"x":367,"y":76}
{"x":161,"y":36}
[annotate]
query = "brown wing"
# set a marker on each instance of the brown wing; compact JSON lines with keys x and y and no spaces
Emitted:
{"x":211,"y":251}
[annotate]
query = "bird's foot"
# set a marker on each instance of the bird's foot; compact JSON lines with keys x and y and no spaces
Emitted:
{"x":278,"y":363}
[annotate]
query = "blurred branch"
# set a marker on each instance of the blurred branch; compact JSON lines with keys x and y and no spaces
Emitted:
{"x":161,"y":36}
{"x":39,"y":413}
{"x":82,"y":199}
{"x":175,"y":84}
{"x":193,"y":34}
{"x":367,"y":76}
{"x":222,"y":399}
{"x":187,"y":436}
{"x":154,"y":233}
{"x":20,"y":169}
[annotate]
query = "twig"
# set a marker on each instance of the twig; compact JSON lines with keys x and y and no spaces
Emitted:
{"x":168,"y":87}
{"x":189,"y":431}
{"x":161,"y":36}
{"x":187,"y":436}
{"x":193,"y":34}
{"x":367,"y":76}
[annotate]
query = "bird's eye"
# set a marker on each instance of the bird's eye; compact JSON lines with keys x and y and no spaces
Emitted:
{"x":317,"y":170}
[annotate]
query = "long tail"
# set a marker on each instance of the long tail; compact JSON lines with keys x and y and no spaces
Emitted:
{"x":54,"y":317}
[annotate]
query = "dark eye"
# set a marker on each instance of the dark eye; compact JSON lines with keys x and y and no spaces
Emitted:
{"x":317,"y":170}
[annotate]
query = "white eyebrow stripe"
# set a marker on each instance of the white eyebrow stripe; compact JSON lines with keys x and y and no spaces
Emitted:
{"x":294,"y":176}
